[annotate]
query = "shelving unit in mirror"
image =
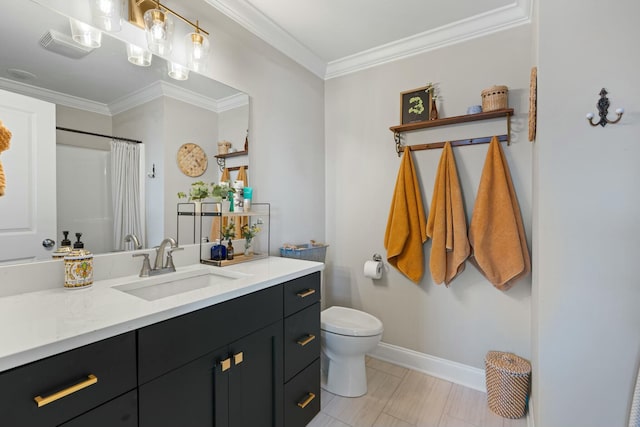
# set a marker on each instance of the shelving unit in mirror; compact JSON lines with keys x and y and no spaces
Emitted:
{"x":249,"y":232}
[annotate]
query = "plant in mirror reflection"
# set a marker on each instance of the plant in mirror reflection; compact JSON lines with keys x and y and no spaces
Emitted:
{"x":200,"y":190}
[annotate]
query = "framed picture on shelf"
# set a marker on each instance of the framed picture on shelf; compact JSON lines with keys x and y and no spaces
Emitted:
{"x":414,"y":105}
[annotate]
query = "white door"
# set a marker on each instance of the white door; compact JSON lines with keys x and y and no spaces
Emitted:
{"x":28,"y":207}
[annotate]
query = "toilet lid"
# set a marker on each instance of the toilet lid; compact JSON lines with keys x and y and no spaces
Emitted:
{"x":347,"y":321}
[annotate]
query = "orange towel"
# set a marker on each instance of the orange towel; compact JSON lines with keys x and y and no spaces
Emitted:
{"x":447,"y":223}
{"x":406,"y":226}
{"x":5,"y":140}
{"x":225,"y":176}
{"x":242,"y":176}
{"x":496,"y":232}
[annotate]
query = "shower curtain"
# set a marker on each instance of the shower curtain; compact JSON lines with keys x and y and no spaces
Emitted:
{"x":125,"y":190}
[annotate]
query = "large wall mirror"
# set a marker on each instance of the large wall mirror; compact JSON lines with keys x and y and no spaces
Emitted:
{"x":97,"y":92}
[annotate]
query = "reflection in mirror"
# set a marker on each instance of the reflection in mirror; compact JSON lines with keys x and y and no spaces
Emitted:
{"x":100,"y":91}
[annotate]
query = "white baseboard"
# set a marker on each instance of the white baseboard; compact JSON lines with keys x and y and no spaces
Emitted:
{"x":455,"y":372}
{"x":530,"y":422}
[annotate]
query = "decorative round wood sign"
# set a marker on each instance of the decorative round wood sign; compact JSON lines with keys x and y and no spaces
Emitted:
{"x":192,"y":159}
{"x":533,"y":101}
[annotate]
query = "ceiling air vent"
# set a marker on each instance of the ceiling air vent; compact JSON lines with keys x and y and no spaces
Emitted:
{"x":58,"y":42}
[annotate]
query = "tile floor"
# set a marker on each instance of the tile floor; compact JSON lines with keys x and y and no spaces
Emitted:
{"x":400,"y":397}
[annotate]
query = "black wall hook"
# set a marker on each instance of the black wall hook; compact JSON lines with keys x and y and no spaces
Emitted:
{"x":603,"y":111}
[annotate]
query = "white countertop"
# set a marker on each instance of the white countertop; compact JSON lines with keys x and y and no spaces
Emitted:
{"x":39,"y":324}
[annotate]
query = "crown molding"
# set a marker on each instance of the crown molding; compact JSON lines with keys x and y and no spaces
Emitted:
{"x":257,"y":23}
{"x":54,"y":97}
{"x":232,"y":102}
{"x":158,"y":89}
{"x":513,"y":15}
{"x":517,"y":13}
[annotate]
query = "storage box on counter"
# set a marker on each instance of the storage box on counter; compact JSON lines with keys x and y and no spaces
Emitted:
{"x":309,"y":252}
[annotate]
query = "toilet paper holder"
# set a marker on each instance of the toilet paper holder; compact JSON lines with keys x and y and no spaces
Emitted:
{"x":377,"y":257}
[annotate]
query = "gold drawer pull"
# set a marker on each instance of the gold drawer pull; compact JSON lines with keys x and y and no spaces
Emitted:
{"x":238,"y":358}
{"x":307,"y":400}
{"x":226,"y":364}
{"x":41,"y":401}
{"x":304,"y":341}
{"x":304,"y":294}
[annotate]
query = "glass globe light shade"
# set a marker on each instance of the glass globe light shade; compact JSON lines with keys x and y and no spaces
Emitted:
{"x":107,"y":14}
{"x":138,"y":55}
{"x":159,"y":31}
{"x":177,"y":71}
{"x":197,"y":50}
{"x":85,"y":34}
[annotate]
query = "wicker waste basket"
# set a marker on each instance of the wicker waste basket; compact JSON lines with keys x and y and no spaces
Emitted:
{"x":508,"y":379}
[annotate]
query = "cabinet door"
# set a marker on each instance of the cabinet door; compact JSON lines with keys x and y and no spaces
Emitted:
{"x":255,"y":380}
{"x":195,"y":395}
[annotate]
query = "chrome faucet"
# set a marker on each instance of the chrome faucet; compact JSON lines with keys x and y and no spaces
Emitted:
{"x":158,"y":266}
{"x":132,"y":238}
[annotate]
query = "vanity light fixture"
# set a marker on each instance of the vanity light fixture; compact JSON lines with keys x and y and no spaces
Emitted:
{"x":85,"y":34}
{"x":177,"y":71}
{"x":158,"y":25}
{"x":107,"y":14}
{"x":138,"y":56}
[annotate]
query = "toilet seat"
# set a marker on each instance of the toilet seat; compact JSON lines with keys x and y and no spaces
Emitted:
{"x":349,"y":322}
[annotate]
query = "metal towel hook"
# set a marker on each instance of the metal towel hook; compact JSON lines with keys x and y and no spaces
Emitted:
{"x":603,"y":111}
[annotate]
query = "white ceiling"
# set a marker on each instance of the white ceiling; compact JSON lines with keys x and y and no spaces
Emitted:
{"x":335,"y":37}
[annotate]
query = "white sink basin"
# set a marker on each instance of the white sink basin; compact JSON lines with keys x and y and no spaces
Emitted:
{"x":162,"y":286}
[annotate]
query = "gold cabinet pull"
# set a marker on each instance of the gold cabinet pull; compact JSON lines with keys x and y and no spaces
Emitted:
{"x":304,"y":294}
{"x":226,"y":364}
{"x":238,"y":358}
{"x":307,"y":400}
{"x":41,"y":401}
{"x":306,"y":340}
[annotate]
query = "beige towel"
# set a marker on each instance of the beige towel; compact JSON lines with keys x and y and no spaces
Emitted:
{"x":496,"y":232}
{"x":406,"y":227}
{"x":242,"y":176}
{"x":243,"y":220}
{"x":447,"y":223}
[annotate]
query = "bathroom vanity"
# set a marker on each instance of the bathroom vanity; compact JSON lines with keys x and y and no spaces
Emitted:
{"x":238,"y":352}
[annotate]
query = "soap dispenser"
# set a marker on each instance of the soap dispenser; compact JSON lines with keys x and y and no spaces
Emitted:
{"x":64,"y":249}
{"x":78,"y":266}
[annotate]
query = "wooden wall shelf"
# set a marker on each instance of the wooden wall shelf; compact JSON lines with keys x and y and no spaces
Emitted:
{"x":452,"y":120}
{"x":397,"y":130}
{"x":234,"y":154}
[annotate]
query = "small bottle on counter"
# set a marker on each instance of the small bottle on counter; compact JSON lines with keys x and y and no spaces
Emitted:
{"x":230,"y":251}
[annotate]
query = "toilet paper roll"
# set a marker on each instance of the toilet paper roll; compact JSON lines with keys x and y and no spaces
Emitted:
{"x":373,"y":269}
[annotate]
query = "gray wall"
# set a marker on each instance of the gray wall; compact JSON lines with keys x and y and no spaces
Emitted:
{"x":587,"y":344}
{"x":460,"y":323}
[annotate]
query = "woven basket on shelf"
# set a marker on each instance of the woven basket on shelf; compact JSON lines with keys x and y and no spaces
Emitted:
{"x":507,"y":378}
{"x":495,"y":98}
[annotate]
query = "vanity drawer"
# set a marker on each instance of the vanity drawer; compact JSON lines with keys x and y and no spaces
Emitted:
{"x":302,"y":397}
{"x":301,"y":293}
{"x":68,"y":384}
{"x":167,"y":345}
{"x":120,"y":412}
{"x":301,"y":340}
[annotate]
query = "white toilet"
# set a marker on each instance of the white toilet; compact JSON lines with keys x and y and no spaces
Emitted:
{"x":347,"y":335}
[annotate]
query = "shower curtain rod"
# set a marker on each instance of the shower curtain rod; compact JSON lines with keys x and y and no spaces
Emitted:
{"x":98,"y":134}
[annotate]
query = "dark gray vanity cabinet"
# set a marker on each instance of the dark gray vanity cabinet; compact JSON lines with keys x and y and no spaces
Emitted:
{"x":219,"y":366}
{"x":57,"y":389}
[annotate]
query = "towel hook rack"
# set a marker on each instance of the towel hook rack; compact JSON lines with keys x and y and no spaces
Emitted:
{"x":603,"y":111}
